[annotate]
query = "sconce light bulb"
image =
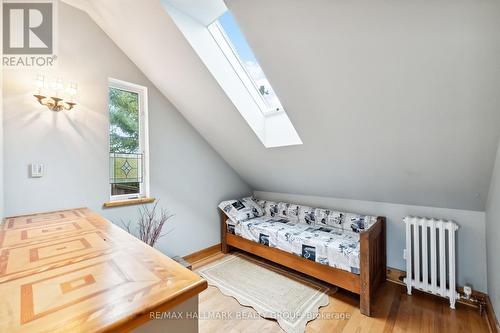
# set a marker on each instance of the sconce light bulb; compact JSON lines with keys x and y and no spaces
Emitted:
{"x":59,"y":84}
{"x":53,"y":101}
{"x":40,"y":82}
{"x":73,"y":89}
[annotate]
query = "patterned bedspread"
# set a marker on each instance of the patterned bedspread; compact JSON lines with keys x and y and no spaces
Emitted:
{"x":329,"y":246}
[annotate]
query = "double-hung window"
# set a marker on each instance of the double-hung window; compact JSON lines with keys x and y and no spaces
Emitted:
{"x":128,"y":140}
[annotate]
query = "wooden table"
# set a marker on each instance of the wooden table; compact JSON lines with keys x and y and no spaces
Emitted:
{"x":73,"y":271}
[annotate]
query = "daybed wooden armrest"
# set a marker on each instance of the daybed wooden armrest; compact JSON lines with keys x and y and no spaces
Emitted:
{"x":372,"y":262}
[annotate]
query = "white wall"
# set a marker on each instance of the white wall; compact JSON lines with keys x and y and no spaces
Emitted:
{"x":396,"y":102}
{"x":492,"y":237}
{"x":471,"y":251}
{"x":187,"y":175}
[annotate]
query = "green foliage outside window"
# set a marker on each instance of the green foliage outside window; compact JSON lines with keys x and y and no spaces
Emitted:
{"x":124,"y":121}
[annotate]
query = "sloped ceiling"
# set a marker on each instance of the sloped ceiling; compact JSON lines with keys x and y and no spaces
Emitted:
{"x":395,"y":101}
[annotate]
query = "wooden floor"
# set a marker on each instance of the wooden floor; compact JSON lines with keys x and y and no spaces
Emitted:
{"x":395,"y":311}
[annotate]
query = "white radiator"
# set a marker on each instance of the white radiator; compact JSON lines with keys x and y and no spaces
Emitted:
{"x":430,"y":256}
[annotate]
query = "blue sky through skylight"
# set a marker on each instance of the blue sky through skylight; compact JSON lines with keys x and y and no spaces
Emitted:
{"x":233,"y":32}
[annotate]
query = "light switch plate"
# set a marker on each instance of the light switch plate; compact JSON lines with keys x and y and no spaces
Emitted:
{"x":36,"y":170}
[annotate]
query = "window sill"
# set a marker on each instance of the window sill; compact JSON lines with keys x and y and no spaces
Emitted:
{"x":128,"y":202}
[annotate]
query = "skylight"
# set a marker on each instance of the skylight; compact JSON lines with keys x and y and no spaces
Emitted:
{"x":227,"y":28}
{"x":215,"y":36}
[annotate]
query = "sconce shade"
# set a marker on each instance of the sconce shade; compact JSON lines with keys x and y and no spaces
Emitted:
{"x":55,"y":103}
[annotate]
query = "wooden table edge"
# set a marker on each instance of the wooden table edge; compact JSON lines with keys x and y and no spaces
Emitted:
{"x":128,"y":323}
{"x":87,"y":209}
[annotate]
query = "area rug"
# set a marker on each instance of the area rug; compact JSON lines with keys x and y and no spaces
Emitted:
{"x":290,"y":299}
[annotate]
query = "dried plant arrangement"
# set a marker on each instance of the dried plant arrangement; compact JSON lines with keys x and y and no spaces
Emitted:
{"x":149,"y":224}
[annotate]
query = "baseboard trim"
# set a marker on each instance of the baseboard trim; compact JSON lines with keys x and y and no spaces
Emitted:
{"x":203,"y":253}
{"x":395,"y":275}
{"x":492,"y":319}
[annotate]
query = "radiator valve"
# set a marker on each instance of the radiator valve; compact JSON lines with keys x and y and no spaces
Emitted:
{"x":467,"y":291}
{"x":473,"y":300}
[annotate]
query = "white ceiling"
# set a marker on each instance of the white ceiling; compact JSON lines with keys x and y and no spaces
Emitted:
{"x":395,"y":101}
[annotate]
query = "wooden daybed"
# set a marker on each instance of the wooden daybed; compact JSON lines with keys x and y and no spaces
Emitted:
{"x":372,"y":261}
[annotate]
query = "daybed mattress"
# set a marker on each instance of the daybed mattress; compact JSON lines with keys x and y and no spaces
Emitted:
{"x":328,"y":246}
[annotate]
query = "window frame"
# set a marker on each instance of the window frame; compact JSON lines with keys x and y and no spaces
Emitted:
{"x":226,"y":46}
{"x":142,"y":93}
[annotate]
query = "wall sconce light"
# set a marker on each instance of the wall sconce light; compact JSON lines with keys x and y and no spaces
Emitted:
{"x":54,"y":101}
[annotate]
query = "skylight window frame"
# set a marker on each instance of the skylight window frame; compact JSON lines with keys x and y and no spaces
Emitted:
{"x":227,"y":48}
